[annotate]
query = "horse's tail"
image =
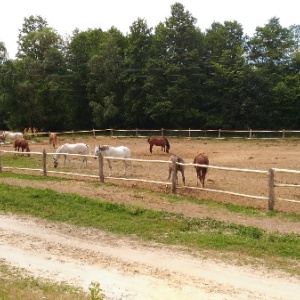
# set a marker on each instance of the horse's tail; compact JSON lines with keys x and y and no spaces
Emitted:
{"x":167,"y":144}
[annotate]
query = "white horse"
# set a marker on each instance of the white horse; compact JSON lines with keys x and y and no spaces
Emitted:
{"x":79,"y":148}
{"x":121,"y":151}
{"x":12,"y":135}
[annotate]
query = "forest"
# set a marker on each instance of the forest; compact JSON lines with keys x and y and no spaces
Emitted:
{"x":172,"y":76}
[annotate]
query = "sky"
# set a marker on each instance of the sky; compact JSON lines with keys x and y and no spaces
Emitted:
{"x":66,"y":15}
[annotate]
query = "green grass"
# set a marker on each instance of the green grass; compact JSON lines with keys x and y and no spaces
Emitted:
{"x":30,"y":177}
{"x":163,"y":227}
{"x":15,"y":285}
{"x":233,"y":208}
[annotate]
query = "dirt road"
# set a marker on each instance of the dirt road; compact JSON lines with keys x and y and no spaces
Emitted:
{"x":128,"y":269}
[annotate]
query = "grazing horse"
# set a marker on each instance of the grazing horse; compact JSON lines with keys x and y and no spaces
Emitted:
{"x":79,"y":148}
{"x":53,"y":139}
{"x":159,"y":141}
{"x":12,"y":135}
{"x":21,"y":143}
{"x":177,"y":159}
{"x":109,"y":151}
{"x":201,"y":159}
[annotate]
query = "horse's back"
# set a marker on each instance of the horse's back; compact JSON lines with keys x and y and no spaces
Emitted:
{"x":201,"y":159}
{"x":125,"y":150}
{"x":74,"y":148}
{"x":17,"y":142}
{"x":176,"y":158}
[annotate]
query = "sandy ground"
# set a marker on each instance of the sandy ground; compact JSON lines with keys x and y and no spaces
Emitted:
{"x":128,"y":269}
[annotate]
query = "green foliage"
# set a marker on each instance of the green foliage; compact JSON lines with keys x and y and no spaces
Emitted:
{"x":15,"y":285}
{"x":95,"y":291}
{"x":174,"y":76}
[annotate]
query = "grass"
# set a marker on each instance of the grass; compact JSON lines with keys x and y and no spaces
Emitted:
{"x":158,"y":226}
{"x":16,"y":285}
{"x":250,"y":244}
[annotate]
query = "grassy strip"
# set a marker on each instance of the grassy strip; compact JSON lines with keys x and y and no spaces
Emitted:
{"x":16,"y":285}
{"x":157,"y":226}
{"x":30,"y":177}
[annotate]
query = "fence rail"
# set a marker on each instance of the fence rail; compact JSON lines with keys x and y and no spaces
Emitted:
{"x":189,"y":133}
{"x":270,"y":175}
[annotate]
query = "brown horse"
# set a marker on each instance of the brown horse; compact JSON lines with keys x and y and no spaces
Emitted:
{"x":201,"y":159}
{"x":21,"y":143}
{"x":180,"y":168}
{"x":53,"y":139}
{"x":159,"y":141}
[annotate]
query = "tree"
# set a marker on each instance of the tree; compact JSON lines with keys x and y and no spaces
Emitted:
{"x":223,"y":56}
{"x":106,"y":90}
{"x":174,"y":89}
{"x":137,"y":56}
{"x":3,"y":53}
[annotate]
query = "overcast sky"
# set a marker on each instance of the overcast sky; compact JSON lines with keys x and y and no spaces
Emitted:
{"x":66,"y":15}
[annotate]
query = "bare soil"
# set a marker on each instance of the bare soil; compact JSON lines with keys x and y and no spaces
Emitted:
{"x":129,"y":269}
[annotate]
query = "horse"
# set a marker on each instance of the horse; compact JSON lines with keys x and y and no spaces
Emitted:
{"x":53,"y":139}
{"x":21,"y":143}
{"x":120,"y":151}
{"x":159,"y":141}
{"x":201,"y":159}
{"x":177,"y":159}
{"x":12,"y":135}
{"x":65,"y":149}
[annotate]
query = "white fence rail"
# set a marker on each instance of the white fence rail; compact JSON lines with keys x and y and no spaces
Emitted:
{"x":190,"y":133}
{"x":270,"y":175}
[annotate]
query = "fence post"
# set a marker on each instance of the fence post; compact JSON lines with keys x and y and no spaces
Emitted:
{"x":111,"y":132}
{"x":250,"y":133}
{"x":271,"y":189}
{"x":101,"y":175}
{"x":162,"y":132}
{"x":0,"y":161}
{"x":44,"y":162}
{"x":189,"y":132}
{"x":283,"y":133}
{"x":94,"y":134}
{"x":219,"y":134}
{"x":174,"y":177}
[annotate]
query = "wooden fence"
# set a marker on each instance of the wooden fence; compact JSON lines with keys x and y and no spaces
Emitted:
{"x":189,"y":133}
{"x":270,"y":175}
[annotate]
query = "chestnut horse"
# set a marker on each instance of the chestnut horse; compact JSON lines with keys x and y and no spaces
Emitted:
{"x":159,"y":141}
{"x":53,"y":139}
{"x":21,"y":143}
{"x":201,"y":159}
{"x":180,"y":168}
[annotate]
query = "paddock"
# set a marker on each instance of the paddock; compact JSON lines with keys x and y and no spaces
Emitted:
{"x":255,"y":157}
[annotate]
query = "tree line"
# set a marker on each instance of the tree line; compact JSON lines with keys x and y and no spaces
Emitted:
{"x":173,"y":76}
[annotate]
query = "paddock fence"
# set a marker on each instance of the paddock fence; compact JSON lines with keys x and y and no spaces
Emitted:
{"x":44,"y":167}
{"x":184,"y":133}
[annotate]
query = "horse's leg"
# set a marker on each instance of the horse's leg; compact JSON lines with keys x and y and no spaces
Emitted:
{"x":151,"y":146}
{"x":183,"y":177}
{"x":125,"y":165}
{"x":110,"y":167}
{"x":65,"y":159}
{"x":170,"y":172}
{"x":198,"y":175}
{"x":204,"y":171}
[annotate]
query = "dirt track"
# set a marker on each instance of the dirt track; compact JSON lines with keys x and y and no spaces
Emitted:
{"x":127,"y":269}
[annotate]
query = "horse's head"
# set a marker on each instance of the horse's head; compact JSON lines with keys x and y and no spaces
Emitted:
{"x":96,"y":151}
{"x":55,"y":162}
